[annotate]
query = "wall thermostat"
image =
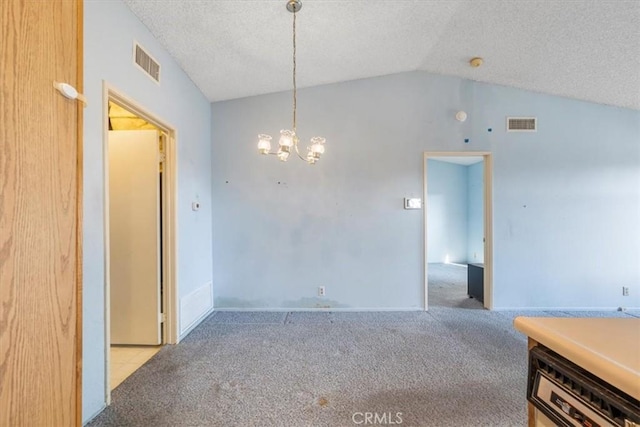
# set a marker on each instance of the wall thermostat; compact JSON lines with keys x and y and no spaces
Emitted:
{"x":412,"y":203}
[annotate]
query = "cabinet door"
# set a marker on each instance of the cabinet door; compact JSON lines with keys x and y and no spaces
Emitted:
{"x":40,"y":187}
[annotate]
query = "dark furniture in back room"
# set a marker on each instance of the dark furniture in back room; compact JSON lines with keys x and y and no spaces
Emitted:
{"x":475,"y":281}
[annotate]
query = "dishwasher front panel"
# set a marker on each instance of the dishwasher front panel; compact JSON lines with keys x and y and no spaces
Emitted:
{"x":570,"y":396}
{"x":564,"y":407}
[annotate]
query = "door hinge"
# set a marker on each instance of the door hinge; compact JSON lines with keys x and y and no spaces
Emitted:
{"x":163,"y":317}
{"x":161,"y":143}
{"x":161,"y":159}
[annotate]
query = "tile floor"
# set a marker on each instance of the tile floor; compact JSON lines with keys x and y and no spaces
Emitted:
{"x":126,"y":359}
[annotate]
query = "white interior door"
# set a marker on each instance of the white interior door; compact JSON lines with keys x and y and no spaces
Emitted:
{"x":134,"y":234}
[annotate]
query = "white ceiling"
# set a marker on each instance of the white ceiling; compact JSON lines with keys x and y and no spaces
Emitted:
{"x":584,"y":49}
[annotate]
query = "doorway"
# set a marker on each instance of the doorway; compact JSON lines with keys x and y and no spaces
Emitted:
{"x":140,"y":286}
{"x":457,"y":229}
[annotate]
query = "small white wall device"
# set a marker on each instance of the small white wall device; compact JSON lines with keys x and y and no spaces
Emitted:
{"x":412,"y":203}
{"x":461,"y":116}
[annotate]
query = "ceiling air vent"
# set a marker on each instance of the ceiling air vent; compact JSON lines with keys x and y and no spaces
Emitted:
{"x":146,"y":63}
{"x":522,"y":124}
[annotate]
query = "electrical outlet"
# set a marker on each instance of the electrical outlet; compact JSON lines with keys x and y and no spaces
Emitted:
{"x":625,"y":291}
{"x":321,"y":291}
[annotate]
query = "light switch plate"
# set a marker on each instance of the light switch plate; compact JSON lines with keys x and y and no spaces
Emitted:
{"x":412,"y":203}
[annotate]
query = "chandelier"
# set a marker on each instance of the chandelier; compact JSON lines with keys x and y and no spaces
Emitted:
{"x":289,"y":138}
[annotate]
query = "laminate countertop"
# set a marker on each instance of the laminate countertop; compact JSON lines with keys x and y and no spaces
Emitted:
{"x":609,"y":348}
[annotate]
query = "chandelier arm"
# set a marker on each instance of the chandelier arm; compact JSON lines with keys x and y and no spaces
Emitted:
{"x":295,"y":145}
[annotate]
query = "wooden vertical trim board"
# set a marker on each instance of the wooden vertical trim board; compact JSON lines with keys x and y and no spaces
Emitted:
{"x":531,"y":410}
{"x":488,"y":231}
{"x":171,"y":302}
{"x":531,"y":415}
{"x":40,"y":214}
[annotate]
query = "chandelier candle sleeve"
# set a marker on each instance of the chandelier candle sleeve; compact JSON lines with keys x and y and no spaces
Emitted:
{"x":289,"y":138}
{"x":318,"y":145}
{"x":264,"y":143}
{"x":286,"y":138}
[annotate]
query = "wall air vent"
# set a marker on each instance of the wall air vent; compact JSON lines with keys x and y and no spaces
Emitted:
{"x":522,"y":124}
{"x":146,"y":63}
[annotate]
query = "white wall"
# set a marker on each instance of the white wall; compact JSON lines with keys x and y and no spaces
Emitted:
{"x":567,"y":202}
{"x":110,"y":29}
{"x":566,"y":199}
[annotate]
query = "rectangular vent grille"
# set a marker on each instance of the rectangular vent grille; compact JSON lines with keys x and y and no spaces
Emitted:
{"x":522,"y":124}
{"x":146,"y":63}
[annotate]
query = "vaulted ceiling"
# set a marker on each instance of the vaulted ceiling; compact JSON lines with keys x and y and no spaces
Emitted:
{"x":583,"y":49}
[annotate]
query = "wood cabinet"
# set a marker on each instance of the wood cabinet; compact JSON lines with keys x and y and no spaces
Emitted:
{"x":40,"y":213}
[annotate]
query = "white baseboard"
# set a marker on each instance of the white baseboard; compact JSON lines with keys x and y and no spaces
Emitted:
{"x":90,"y":418}
{"x":194,"y":307}
{"x":342,"y":309}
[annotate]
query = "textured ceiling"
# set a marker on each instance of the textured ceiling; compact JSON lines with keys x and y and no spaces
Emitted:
{"x":587,"y":49}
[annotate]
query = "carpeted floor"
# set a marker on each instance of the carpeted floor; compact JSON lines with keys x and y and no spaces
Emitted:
{"x":445,"y":367}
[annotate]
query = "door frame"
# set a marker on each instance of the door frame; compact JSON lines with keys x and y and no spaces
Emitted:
{"x":169,"y":221}
{"x":488,"y":220}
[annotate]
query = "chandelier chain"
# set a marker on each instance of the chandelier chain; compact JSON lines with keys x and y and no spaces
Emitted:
{"x":294,"y":73}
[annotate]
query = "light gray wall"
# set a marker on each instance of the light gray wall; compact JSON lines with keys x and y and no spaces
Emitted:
{"x":109,"y":31}
{"x":447,"y":210}
{"x":475,"y":213}
{"x":566,"y":199}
